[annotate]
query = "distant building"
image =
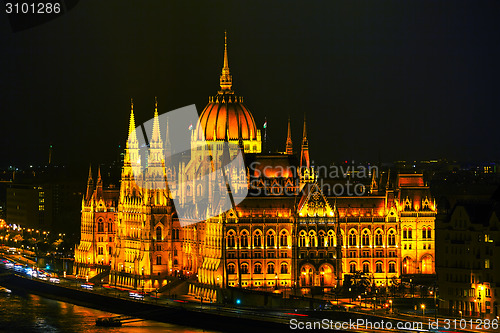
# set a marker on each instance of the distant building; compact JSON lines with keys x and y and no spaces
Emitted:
{"x":30,"y":206}
{"x":468,"y":258}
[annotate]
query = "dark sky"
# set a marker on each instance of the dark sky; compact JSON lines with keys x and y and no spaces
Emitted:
{"x":399,"y":80}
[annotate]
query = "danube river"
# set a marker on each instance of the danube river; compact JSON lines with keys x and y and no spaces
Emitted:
{"x":32,"y":313}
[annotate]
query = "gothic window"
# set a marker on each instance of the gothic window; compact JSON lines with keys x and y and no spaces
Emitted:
{"x":302,"y":239}
{"x":424,"y":232}
{"x":244,"y":268}
{"x":244,"y":239}
{"x":158,"y":233}
{"x":283,"y":239}
{"x":409,"y":233}
{"x":158,"y":260}
{"x":352,"y":238}
{"x":405,"y":233}
{"x":230,"y":239}
{"x":366,"y":267}
{"x":270,"y":238}
{"x":321,"y":238}
{"x":257,"y":239}
{"x":378,"y":238}
{"x":175,"y":252}
{"x":312,"y":239}
{"x":100,"y":226}
{"x":331,"y":238}
{"x":392,"y":267}
{"x":429,"y":234}
{"x":378,"y":267}
{"x":366,"y":238}
{"x":284,"y":268}
{"x":176,"y":262}
{"x":110,"y":227}
{"x":270,"y":268}
{"x":230,"y":269}
{"x":352,"y":267}
{"x":392,"y":238}
{"x":257,"y":268}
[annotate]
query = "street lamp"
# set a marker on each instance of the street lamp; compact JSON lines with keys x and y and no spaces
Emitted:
{"x":390,"y":302}
{"x":276,"y":281}
{"x":422,"y":306}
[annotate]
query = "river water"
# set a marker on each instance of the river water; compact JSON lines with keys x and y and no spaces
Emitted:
{"x":32,"y":313}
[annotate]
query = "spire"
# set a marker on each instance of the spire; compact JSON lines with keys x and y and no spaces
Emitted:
{"x":304,"y":153}
{"x":90,"y":185}
{"x":99,"y":183}
{"x":132,"y":135}
{"x":374,"y":185}
{"x":289,"y":145}
{"x":156,"y":125}
{"x":167,"y":145}
{"x":226,"y":79}
{"x":156,"y":143}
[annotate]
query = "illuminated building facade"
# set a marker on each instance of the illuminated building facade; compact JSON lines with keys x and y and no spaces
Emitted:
{"x":468,"y":260}
{"x":287,"y":233}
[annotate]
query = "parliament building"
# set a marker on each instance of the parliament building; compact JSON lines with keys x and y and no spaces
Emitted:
{"x":290,"y":230}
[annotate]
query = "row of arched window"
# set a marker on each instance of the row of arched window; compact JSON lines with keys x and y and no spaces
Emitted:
{"x":379,"y":267}
{"x":257,"y":239}
{"x":257,"y":268}
{"x":100,"y":226}
{"x":329,"y":238}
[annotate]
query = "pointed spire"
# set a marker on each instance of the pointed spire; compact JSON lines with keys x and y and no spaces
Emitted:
{"x":90,"y":185}
{"x":156,"y":125}
{"x":289,"y":145}
{"x":99,"y":183}
{"x":374,"y":184}
{"x":226,"y":79}
{"x":167,"y":144}
{"x":131,"y":127}
{"x":304,"y":153}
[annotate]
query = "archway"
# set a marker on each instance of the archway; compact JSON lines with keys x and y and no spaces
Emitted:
{"x":408,"y":266}
{"x":306,"y":275}
{"x":427,"y":266}
{"x":326,"y":275}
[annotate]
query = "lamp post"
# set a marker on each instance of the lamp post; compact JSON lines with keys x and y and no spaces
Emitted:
{"x":390,"y":302}
{"x":479,"y":301}
{"x":276,"y":281}
{"x":422,"y":306}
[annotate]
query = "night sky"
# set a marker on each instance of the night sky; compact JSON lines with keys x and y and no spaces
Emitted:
{"x":377,"y":79}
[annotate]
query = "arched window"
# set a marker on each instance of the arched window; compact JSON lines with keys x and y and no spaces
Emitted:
{"x":244,"y":268}
{"x":366,"y":267}
{"x":100,"y":226}
{"x":257,"y":268}
{"x":378,"y":267}
{"x":424,"y":232}
{"x":283,"y":239}
{"x":176,"y":262}
{"x":331,"y":238}
{"x":352,"y":238}
{"x":257,"y":239}
{"x":158,"y":233}
{"x":429,"y":234}
{"x":366,"y":238}
{"x":302,"y":238}
{"x":392,"y":238}
{"x":284,"y":268}
{"x":270,"y":238}
{"x":158,"y":260}
{"x":409,"y":233}
{"x":244,"y":239}
{"x":405,"y":233}
{"x":378,"y":238}
{"x":110,"y":227}
{"x":230,"y":239}
{"x":312,"y":239}
{"x":175,"y":252}
{"x":392,"y":267}
{"x":230,"y":269}
{"x":352,"y":267}
{"x":270,"y":268}
{"x":321,"y":238}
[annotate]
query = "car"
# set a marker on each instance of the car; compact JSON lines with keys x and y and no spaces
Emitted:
{"x":136,"y":295}
{"x":87,"y":286}
{"x":54,"y":280}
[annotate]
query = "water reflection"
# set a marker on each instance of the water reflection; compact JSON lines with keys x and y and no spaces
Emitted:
{"x":31,"y":313}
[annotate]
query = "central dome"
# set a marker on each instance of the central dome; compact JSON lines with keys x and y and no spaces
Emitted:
{"x":226,"y":115}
